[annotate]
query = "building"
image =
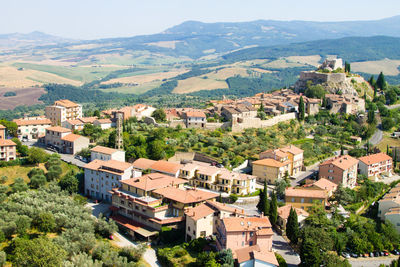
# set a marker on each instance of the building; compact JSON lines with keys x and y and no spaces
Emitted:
{"x":202,"y":220}
{"x":106,"y":153}
{"x":284,"y":212}
{"x":389,"y":207}
{"x":322,"y":184}
{"x":63,"y":110}
{"x":340,"y":170}
{"x":376,"y":165}
{"x":8,"y":150}
{"x":303,"y":198}
{"x":32,"y":128}
{"x":239,"y":232}
{"x":74,"y":125}
{"x":195,"y":119}
{"x":2,"y":132}
{"x":161,"y":166}
{"x":393,"y":216}
{"x":291,"y":155}
{"x":255,"y":256}
{"x":103,"y":123}
{"x":270,"y":170}
{"x":64,"y":140}
{"x":102,"y":176}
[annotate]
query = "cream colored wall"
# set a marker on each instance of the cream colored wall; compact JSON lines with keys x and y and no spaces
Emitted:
{"x":384,"y":207}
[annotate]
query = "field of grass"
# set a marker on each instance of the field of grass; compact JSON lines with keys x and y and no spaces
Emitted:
{"x":282,"y":63}
{"x":14,"y":172}
{"x":195,"y":84}
{"x":387,"y":140}
{"x":310,"y":60}
{"x":387,"y":66}
{"x":147,"y":78}
{"x":78,"y":74}
{"x":139,"y":89}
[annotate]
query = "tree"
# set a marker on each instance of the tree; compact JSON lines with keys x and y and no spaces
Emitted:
{"x":347,"y":67}
{"x":37,"y":181}
{"x":3,"y":258}
{"x":69,"y":183}
{"x":45,"y":222}
{"x":387,"y":123}
{"x":3,"y":179}
{"x":54,"y":173}
{"x":21,"y":149}
{"x":301,"y":109}
{"x":156,"y":150}
{"x":372,"y":81}
{"x":159,"y":115}
{"x":104,"y":228}
{"x":391,"y":96}
{"x":38,"y":252}
{"x":394,"y":158}
{"x":36,"y":155}
{"x":280,"y":187}
{"x":96,"y":113}
{"x":292,"y":227}
{"x":371,"y":116}
{"x":23,"y":223}
{"x":35,"y":171}
{"x":19,"y":185}
{"x":273,"y":210}
{"x":225,"y":258}
{"x":309,"y":253}
{"x":381,"y":82}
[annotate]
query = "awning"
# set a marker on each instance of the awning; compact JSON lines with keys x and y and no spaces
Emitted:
{"x":145,"y":232}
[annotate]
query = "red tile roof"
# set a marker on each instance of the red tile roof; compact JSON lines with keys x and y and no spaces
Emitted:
{"x":104,"y":150}
{"x":199,"y":212}
{"x":306,"y":193}
{"x":270,"y":163}
{"x":106,"y":165}
{"x":326,"y":184}
{"x":7,"y":142}
{"x":59,"y":129}
{"x":196,"y":114}
{"x":72,"y":137}
{"x":284,"y":211}
{"x":293,"y":150}
{"x":343,"y":162}
{"x":153,"y":181}
{"x":143,"y":163}
{"x":185,"y":196}
{"x":66,"y":103}
{"x":22,"y":122}
{"x":375,"y":158}
{"x":166,"y":167}
{"x":240,"y":224}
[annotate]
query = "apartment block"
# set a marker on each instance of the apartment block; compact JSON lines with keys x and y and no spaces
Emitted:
{"x":270,"y":170}
{"x":340,"y":170}
{"x":63,"y":110}
{"x":303,"y":198}
{"x":102,"y":176}
{"x":31,"y":128}
{"x":64,"y":140}
{"x":375,"y":165}
{"x":106,"y":153}
{"x":160,"y":166}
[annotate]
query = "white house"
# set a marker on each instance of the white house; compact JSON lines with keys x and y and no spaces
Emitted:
{"x":103,"y":123}
{"x":32,"y":128}
{"x":106,"y":153}
{"x":102,"y":176}
{"x":375,"y":164}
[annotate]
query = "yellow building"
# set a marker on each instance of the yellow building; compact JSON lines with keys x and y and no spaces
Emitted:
{"x":270,"y":170}
{"x":305,"y":198}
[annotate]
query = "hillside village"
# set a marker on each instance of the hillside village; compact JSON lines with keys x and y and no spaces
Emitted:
{"x":201,"y":196}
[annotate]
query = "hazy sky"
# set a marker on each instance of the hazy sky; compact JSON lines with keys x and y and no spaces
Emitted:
{"x":89,"y":19}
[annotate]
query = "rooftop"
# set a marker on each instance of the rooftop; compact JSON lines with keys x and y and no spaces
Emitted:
{"x":343,"y":162}
{"x":104,"y":150}
{"x":22,"y":122}
{"x":240,"y":224}
{"x":325,"y":184}
{"x":152,"y":181}
{"x":255,"y":253}
{"x":305,"y":193}
{"x":88,"y":119}
{"x":59,"y":129}
{"x":284,"y":211}
{"x":143,"y":163}
{"x":185,"y":196}
{"x":375,"y":158}
{"x":66,"y":103}
{"x":166,"y":166}
{"x":293,"y":150}
{"x":270,"y":162}
{"x":72,"y":137}
{"x":107,"y":166}
{"x":197,"y":114}
{"x":7,"y":142}
{"x":199,"y":211}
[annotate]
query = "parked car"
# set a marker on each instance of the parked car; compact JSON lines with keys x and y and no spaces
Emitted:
{"x":371,"y":254}
{"x":365,"y":255}
{"x":354,"y":255}
{"x":346,"y":255}
{"x":385,"y":253}
{"x":376,"y":254}
{"x":395,"y":252}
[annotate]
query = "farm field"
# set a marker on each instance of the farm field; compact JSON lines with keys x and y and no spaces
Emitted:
{"x":387,"y":66}
{"x":387,"y":140}
{"x":195,"y":84}
{"x":139,"y":89}
{"x":147,"y":78}
{"x":25,"y":96}
{"x":309,"y":60}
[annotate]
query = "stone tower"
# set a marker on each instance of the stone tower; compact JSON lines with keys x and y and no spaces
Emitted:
{"x":118,"y":136}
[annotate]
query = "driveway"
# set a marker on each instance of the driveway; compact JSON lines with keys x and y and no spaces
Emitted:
{"x":282,"y":247}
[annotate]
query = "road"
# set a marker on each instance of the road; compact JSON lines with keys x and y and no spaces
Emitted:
{"x":393,"y":106}
{"x":281,"y":246}
{"x":371,"y":262}
{"x":376,"y":138}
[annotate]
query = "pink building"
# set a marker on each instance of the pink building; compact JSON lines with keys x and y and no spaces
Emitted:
{"x":7,"y":147}
{"x":375,"y":165}
{"x":236,"y":233}
{"x":340,"y":170}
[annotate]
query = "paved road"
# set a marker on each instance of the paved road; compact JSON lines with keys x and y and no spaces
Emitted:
{"x":281,"y":246}
{"x":371,"y":262}
{"x":393,"y":106}
{"x":377,"y":137}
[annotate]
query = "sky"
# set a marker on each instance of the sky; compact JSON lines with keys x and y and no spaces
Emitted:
{"x":92,"y":19}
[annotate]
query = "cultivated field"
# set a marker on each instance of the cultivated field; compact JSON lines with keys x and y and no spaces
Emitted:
{"x":25,"y":96}
{"x":147,"y":78}
{"x":282,"y":63}
{"x":12,"y":77}
{"x":309,"y":60}
{"x":387,"y":66}
{"x":195,"y":84}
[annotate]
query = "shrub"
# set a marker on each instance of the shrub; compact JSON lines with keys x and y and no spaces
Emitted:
{"x":197,"y":245}
{"x":37,"y":181}
{"x":281,"y":260}
{"x":233,"y":198}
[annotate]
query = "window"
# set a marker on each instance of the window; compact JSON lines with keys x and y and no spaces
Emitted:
{"x":189,"y":228}
{"x":242,"y":233}
{"x":330,"y":171}
{"x":292,"y":199}
{"x":302,"y":200}
{"x":250,"y":243}
{"x":251,"y":234}
{"x":242,"y":243}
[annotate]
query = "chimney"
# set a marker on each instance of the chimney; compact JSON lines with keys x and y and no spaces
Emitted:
{"x":262,"y":215}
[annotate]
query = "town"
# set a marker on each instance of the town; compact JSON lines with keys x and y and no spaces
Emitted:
{"x":314,"y":174}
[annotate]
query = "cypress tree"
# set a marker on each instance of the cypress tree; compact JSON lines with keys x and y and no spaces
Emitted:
{"x":301,"y":109}
{"x":266,"y":204}
{"x":387,"y":149}
{"x":394,"y":159}
{"x":381,"y":82}
{"x":292,"y":227}
{"x":324,"y":102}
{"x":310,"y":253}
{"x":375,"y":90}
{"x":261,"y":201}
{"x":372,"y":81}
{"x":273,"y":210}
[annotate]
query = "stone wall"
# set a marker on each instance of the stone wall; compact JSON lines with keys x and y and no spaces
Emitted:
{"x":213,"y":125}
{"x":257,"y":123}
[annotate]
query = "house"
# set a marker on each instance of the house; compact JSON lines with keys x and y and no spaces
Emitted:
{"x":64,"y":140}
{"x":139,"y":111}
{"x":340,"y":170}
{"x":8,"y":149}
{"x":88,"y":120}
{"x":143,"y":164}
{"x":202,"y":220}
{"x":195,"y":119}
{"x":254,"y":256}
{"x":375,"y":165}
{"x":239,"y":232}
{"x":103,"y":123}
{"x":284,"y":212}
{"x":270,"y":170}
{"x":74,"y":143}
{"x":296,"y":158}
{"x":106,"y":153}
{"x":305,"y":198}
{"x":74,"y":125}
{"x":323,"y":184}
{"x":63,"y":110}
{"x":161,"y":166}
{"x":102,"y":176}
{"x":389,"y":207}
{"x":31,"y":128}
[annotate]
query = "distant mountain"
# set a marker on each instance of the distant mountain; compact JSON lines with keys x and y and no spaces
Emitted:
{"x":36,"y":38}
{"x":350,"y":48}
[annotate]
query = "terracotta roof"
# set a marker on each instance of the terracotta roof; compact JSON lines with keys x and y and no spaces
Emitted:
{"x":22,"y":122}
{"x":143,"y":164}
{"x":66,"y":103}
{"x":128,"y":223}
{"x":208,"y":170}
{"x":224,"y":207}
{"x":240,"y":224}
{"x":197,"y":114}
{"x":270,"y":163}
{"x":343,"y":162}
{"x":284,"y":211}
{"x":152,"y":181}
{"x":104,"y":150}
{"x":245,"y":254}
{"x":277,"y":152}
{"x":2,"y":127}
{"x":59,"y":129}
{"x":325,"y":184}
{"x":104,"y":121}
{"x":75,"y":122}
{"x":88,"y":119}
{"x":306,"y":193}
{"x":293,"y":150}
{"x":72,"y":137}
{"x":166,"y":167}
{"x":190,"y":167}
{"x":7,"y":142}
{"x":107,"y":166}
{"x":199,"y":212}
{"x":375,"y":158}
{"x":185,"y":196}
{"x":266,"y":256}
